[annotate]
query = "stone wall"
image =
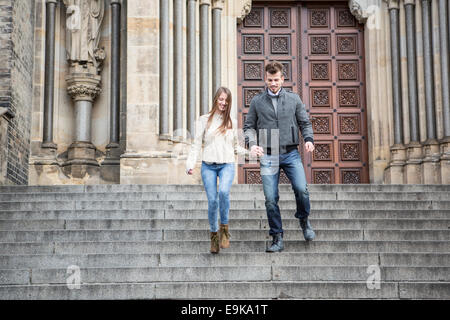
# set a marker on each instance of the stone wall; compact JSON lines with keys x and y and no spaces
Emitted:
{"x":47,"y":168}
{"x":149,"y":159}
{"x":16,"y":67}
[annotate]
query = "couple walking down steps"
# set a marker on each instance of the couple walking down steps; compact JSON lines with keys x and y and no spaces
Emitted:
{"x":216,"y":140}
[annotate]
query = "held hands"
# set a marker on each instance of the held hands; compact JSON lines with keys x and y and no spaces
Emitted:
{"x":256,"y":151}
{"x":309,"y":146}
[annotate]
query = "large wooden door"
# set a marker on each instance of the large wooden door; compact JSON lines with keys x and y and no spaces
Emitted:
{"x":321,"y":49}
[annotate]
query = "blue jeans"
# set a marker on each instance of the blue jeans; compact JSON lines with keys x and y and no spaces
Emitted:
{"x":291,"y":164}
{"x":218,"y":199}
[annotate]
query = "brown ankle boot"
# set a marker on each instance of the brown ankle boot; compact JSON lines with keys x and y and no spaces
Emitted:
{"x":215,"y":248}
{"x":224,"y":236}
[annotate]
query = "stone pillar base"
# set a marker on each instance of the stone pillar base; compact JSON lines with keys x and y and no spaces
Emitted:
{"x":110,"y":167}
{"x":81,"y":160}
{"x":49,"y":146}
{"x":430,"y":164}
{"x":113,"y":153}
{"x":445,"y":160}
{"x":413,"y":167}
{"x":81,"y":171}
{"x":395,"y":172}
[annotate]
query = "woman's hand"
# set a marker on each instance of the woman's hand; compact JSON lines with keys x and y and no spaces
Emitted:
{"x":256,"y":151}
{"x":309,"y":146}
{"x":190,"y":171}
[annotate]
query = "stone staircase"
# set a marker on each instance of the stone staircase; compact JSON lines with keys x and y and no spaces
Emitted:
{"x":152,"y":242}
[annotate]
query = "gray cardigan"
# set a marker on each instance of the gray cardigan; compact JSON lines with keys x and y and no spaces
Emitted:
{"x":262,"y":119}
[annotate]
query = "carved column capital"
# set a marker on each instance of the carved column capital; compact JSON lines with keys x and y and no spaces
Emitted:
{"x":218,"y":4}
{"x":392,"y":4}
{"x":363,"y":9}
{"x":413,"y":2}
{"x":245,"y":8}
{"x":205,"y":2}
{"x":51,"y":1}
{"x":83,"y":87}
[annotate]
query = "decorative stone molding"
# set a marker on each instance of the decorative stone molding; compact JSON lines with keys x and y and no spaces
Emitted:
{"x":363,"y":9}
{"x":357,"y":11}
{"x":393,"y":4}
{"x":218,"y":4}
{"x":246,"y":7}
{"x":413,"y":166}
{"x":88,"y":90}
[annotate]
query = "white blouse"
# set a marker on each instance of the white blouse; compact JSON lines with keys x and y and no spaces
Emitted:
{"x":217,"y":147}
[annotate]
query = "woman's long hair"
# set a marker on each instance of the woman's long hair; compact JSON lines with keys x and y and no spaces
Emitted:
{"x":226,"y":123}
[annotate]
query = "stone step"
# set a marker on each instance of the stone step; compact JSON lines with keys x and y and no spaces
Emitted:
{"x":234,"y":204}
{"x":234,"y":214}
{"x":181,"y":235}
{"x":202,"y":246}
{"x":225,"y":258}
{"x":201,"y":195}
{"x":232,"y":290}
{"x":223,"y":273}
{"x":235,"y":224}
{"x":236,"y":187}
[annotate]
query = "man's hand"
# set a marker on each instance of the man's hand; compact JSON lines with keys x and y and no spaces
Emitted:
{"x":309,"y":146}
{"x":256,"y":151}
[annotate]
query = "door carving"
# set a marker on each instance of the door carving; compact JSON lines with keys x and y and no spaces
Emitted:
{"x":321,"y":48}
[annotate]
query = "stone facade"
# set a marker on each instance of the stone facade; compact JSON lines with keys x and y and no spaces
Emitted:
{"x":54,"y":167}
{"x":16,"y":70}
{"x":146,"y":157}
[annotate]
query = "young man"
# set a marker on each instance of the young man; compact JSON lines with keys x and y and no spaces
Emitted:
{"x":273,"y":120}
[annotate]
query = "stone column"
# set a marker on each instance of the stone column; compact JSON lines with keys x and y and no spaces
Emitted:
{"x":164,"y":70}
{"x":444,"y":24}
{"x":374,"y":15}
{"x":204,"y":56}
{"x":177,"y":69}
{"x":110,"y":167}
{"x":414,"y":148}
{"x":216,"y":44}
{"x":113,"y":148}
{"x":49,"y":82}
{"x":85,"y":60}
{"x":430,"y":166}
{"x":398,"y":154}
{"x":191,"y":65}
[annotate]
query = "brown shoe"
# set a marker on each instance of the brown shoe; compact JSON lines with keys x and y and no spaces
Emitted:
{"x":215,"y":248}
{"x":224,"y":236}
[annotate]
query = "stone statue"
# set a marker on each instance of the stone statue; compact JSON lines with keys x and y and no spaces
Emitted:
{"x":83,"y":24}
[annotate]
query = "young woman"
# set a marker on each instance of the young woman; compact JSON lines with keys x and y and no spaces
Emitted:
{"x":216,"y":136}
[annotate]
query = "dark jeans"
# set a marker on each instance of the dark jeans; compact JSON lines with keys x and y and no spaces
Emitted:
{"x":292,"y":165}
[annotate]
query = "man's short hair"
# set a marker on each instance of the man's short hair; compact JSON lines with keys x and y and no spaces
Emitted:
{"x":274,"y":67}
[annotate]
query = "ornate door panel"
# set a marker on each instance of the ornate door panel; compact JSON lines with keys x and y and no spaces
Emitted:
{"x":269,"y":32}
{"x":333,"y":90}
{"x":321,"y":49}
